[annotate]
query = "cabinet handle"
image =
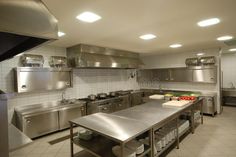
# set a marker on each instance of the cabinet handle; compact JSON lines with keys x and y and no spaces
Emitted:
{"x":120,"y":105}
{"x":104,"y":108}
{"x":23,"y":86}
{"x":28,"y":121}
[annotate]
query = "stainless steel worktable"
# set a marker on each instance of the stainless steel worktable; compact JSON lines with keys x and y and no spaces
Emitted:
{"x":120,"y":129}
{"x":152,"y":112}
{"x":125,"y":125}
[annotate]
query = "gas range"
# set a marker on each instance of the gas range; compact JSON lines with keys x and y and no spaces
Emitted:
{"x":109,"y":104}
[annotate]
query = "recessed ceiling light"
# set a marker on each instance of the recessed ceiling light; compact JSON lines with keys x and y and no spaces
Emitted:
{"x":200,"y":54}
{"x":60,"y":34}
{"x":175,"y":45}
{"x":147,"y":36}
{"x":223,"y":38}
{"x":232,"y":50}
{"x":208,"y":22}
{"x":88,"y":17}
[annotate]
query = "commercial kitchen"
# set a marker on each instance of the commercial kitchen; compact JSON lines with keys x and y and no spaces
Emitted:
{"x":117,"y":78}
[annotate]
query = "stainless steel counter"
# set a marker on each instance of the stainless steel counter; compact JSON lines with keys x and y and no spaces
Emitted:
{"x":125,"y":125}
{"x":54,"y":105}
{"x":152,"y":112}
{"x":17,"y":139}
{"x":230,"y":92}
{"x":120,"y":129}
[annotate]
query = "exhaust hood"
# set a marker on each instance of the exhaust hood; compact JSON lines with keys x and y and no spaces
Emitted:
{"x":24,"y":24}
{"x":89,"y":56}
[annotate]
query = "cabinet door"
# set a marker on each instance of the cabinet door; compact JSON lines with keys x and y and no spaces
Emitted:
{"x":205,"y":75}
{"x":164,"y":75}
{"x":181,"y":75}
{"x":40,"y":124}
{"x":68,"y":113}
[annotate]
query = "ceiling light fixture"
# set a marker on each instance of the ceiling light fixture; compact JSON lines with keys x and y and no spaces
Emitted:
{"x":224,"y":38}
{"x":147,"y":36}
{"x":232,"y":50}
{"x":175,"y":45}
{"x":200,"y":54}
{"x":208,"y":22}
{"x":60,"y":34}
{"x":88,"y":17}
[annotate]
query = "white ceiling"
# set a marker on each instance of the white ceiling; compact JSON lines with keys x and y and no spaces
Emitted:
{"x":123,"y":21}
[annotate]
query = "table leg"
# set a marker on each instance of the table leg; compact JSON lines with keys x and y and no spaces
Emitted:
{"x":71,"y":140}
{"x":177,"y":131}
{"x":151,"y":143}
{"x":192,"y":120}
{"x":122,"y":146}
{"x":201,"y":112}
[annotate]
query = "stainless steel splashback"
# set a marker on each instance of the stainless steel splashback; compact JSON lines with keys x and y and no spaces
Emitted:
{"x":24,"y":24}
{"x":28,"y":79}
{"x":89,"y":56}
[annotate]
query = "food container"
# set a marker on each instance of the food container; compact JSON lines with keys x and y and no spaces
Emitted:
{"x":136,"y":146}
{"x":158,"y":145}
{"x":116,"y":150}
{"x":85,"y":134}
{"x":92,"y":97}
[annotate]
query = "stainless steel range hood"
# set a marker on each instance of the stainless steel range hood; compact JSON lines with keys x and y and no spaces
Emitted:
{"x":24,"y":24}
{"x":89,"y":56}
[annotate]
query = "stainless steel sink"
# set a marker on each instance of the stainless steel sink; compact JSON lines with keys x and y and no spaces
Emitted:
{"x":231,"y":92}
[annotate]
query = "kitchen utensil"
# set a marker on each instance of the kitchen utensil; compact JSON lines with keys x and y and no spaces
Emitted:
{"x":176,"y":103}
{"x":113,"y":94}
{"x":157,"y":96}
{"x":92,"y":97}
{"x":102,"y":95}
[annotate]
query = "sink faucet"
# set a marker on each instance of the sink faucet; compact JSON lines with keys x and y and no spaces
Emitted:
{"x":63,"y":100}
{"x":232,"y":85}
{"x":160,"y":87}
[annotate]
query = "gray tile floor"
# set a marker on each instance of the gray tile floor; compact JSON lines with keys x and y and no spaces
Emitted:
{"x":216,"y":138}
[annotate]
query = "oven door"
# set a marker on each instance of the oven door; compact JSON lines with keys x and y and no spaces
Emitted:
{"x":105,"y":108}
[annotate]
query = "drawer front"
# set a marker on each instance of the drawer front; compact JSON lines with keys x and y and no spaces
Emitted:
{"x":40,"y":124}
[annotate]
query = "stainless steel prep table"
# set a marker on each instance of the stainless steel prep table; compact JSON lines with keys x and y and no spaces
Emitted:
{"x":116,"y":128}
{"x":124,"y":125}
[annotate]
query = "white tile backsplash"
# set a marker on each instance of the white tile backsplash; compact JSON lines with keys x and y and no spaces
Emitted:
{"x":85,"y":81}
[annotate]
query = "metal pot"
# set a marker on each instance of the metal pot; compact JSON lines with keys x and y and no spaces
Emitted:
{"x":92,"y":97}
{"x":102,"y":95}
{"x":113,"y":94}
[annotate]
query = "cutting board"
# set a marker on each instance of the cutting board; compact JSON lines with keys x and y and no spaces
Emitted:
{"x":156,"y":96}
{"x":176,"y":103}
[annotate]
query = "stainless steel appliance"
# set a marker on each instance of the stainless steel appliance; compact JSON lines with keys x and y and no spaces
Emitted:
{"x":28,"y":79}
{"x":209,"y":103}
{"x":201,"y":61}
{"x":229,"y":96}
{"x":24,"y":24}
{"x":58,"y":61}
{"x":197,"y":74}
{"x":4,"y":145}
{"x":31,"y":60}
{"x":40,"y":119}
{"x":68,"y":113}
{"x":206,"y":74}
{"x":136,"y":98}
{"x":90,"y":56}
{"x":108,"y":104}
